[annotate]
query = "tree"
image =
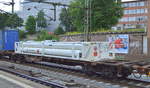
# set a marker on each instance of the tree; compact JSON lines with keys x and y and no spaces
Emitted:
{"x":10,"y":20}
{"x":41,"y":21}
{"x":3,"y":20}
{"x":59,"y":31}
{"x":105,"y":14}
{"x":30,"y":25}
{"x":22,"y":34}
{"x":66,"y":21}
{"x":14,"y":21}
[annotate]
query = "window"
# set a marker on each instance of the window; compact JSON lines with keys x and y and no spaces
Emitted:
{"x":141,"y":3}
{"x":125,"y":5}
{"x":141,"y":18}
{"x":126,"y":12}
{"x":136,"y":11}
{"x":130,"y":19}
{"x":142,"y":10}
{"x":133,"y":4}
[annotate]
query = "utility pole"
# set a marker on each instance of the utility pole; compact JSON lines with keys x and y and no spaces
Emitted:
{"x":88,"y":20}
{"x":12,"y":3}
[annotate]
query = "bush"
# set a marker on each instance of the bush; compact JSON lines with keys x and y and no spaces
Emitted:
{"x":59,"y":31}
{"x":44,"y":35}
{"x":30,"y":25}
{"x":22,"y":34}
{"x":108,"y":30}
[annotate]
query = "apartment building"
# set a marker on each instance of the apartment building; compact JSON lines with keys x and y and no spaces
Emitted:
{"x":135,"y":15}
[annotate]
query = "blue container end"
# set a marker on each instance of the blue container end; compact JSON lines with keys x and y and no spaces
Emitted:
{"x":8,"y":39}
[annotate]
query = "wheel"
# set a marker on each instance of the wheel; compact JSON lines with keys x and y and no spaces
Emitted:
{"x":18,"y":58}
{"x":108,"y":72}
{"x":125,"y":73}
{"x":88,"y":70}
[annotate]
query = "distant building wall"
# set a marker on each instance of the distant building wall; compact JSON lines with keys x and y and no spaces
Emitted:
{"x":136,"y":41}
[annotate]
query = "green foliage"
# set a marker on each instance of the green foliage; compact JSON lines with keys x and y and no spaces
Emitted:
{"x":59,"y":31}
{"x":3,"y":20}
{"x":105,"y":14}
{"x":41,"y":21}
{"x":10,"y":20}
{"x":22,"y":34}
{"x":77,"y":15}
{"x":14,"y":21}
{"x":66,"y":20}
{"x":43,"y":35}
{"x":30,"y":25}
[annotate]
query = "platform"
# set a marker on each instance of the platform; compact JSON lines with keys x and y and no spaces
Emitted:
{"x":11,"y":81}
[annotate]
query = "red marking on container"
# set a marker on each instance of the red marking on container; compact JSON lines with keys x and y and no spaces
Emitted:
{"x":95,"y":52}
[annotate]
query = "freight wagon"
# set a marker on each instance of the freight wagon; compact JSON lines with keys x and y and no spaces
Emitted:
{"x":7,"y":41}
{"x":89,"y":55}
{"x":93,"y":57}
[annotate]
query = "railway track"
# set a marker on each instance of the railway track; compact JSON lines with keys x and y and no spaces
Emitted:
{"x":130,"y":80}
{"x":93,"y":81}
{"x":51,"y":84}
{"x":33,"y":75}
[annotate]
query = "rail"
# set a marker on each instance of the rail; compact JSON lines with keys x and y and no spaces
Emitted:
{"x":51,"y":84}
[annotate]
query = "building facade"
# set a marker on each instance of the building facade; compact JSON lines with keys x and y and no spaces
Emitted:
{"x":32,"y":9}
{"x":135,"y":15}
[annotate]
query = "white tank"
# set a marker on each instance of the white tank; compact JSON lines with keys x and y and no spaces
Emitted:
{"x":63,"y":46}
{"x":32,"y":44}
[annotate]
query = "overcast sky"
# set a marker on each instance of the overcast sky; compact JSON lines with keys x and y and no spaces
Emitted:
{"x":17,"y":5}
{"x":8,"y":8}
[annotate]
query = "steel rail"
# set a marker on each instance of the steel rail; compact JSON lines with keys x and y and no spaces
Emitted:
{"x":51,"y":84}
